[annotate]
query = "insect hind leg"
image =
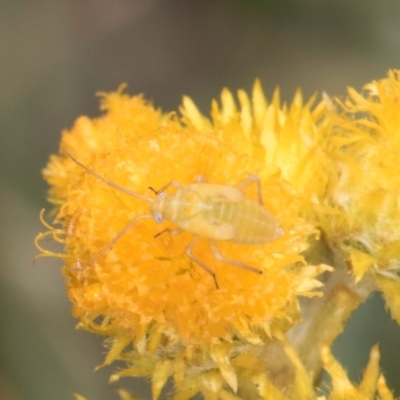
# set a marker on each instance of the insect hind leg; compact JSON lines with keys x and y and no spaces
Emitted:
{"x":189,"y":253}
{"x":217,"y":255}
{"x":245,"y":183}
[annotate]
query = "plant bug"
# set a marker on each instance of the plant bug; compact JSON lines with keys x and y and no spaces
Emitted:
{"x":213,"y":211}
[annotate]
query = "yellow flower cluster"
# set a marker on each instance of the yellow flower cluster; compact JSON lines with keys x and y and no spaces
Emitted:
{"x":362,"y":221}
{"x":163,"y":313}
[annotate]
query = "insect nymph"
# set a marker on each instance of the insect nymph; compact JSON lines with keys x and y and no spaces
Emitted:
{"x":213,"y":211}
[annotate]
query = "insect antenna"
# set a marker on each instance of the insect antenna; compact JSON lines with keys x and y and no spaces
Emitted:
{"x":108,"y":182}
{"x":122,"y":189}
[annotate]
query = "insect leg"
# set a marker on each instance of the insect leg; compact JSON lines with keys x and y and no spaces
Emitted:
{"x":217,"y":255}
{"x":176,"y":231}
{"x":189,"y":253}
{"x":164,"y":188}
{"x":116,"y":238}
{"x":245,"y":183}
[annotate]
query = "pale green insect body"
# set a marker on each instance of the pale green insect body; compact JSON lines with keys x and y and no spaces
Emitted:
{"x":218,"y":212}
{"x":212,"y":211}
{"x":252,"y":223}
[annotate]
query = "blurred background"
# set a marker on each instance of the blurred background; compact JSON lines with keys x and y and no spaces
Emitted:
{"x":54,"y":56}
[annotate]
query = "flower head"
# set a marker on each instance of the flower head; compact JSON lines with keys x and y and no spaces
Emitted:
{"x":217,"y":313}
{"x":362,"y":220}
{"x":162,"y":311}
{"x":365,"y":144}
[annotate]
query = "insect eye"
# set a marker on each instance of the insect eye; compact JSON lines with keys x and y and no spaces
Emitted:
{"x":158,"y":218}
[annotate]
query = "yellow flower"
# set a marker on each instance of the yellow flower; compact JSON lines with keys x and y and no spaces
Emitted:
{"x":239,"y":335}
{"x":260,"y":386}
{"x":363,"y":221}
{"x":372,"y":385}
{"x":285,"y":139}
{"x":162,"y":312}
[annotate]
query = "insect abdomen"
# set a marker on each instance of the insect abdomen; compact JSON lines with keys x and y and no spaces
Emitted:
{"x":253,"y":223}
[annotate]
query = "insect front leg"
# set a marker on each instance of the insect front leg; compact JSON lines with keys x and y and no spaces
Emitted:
{"x":193,"y":242}
{"x":164,"y":188}
{"x":217,"y":255}
{"x":116,"y":238}
{"x":245,"y":183}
